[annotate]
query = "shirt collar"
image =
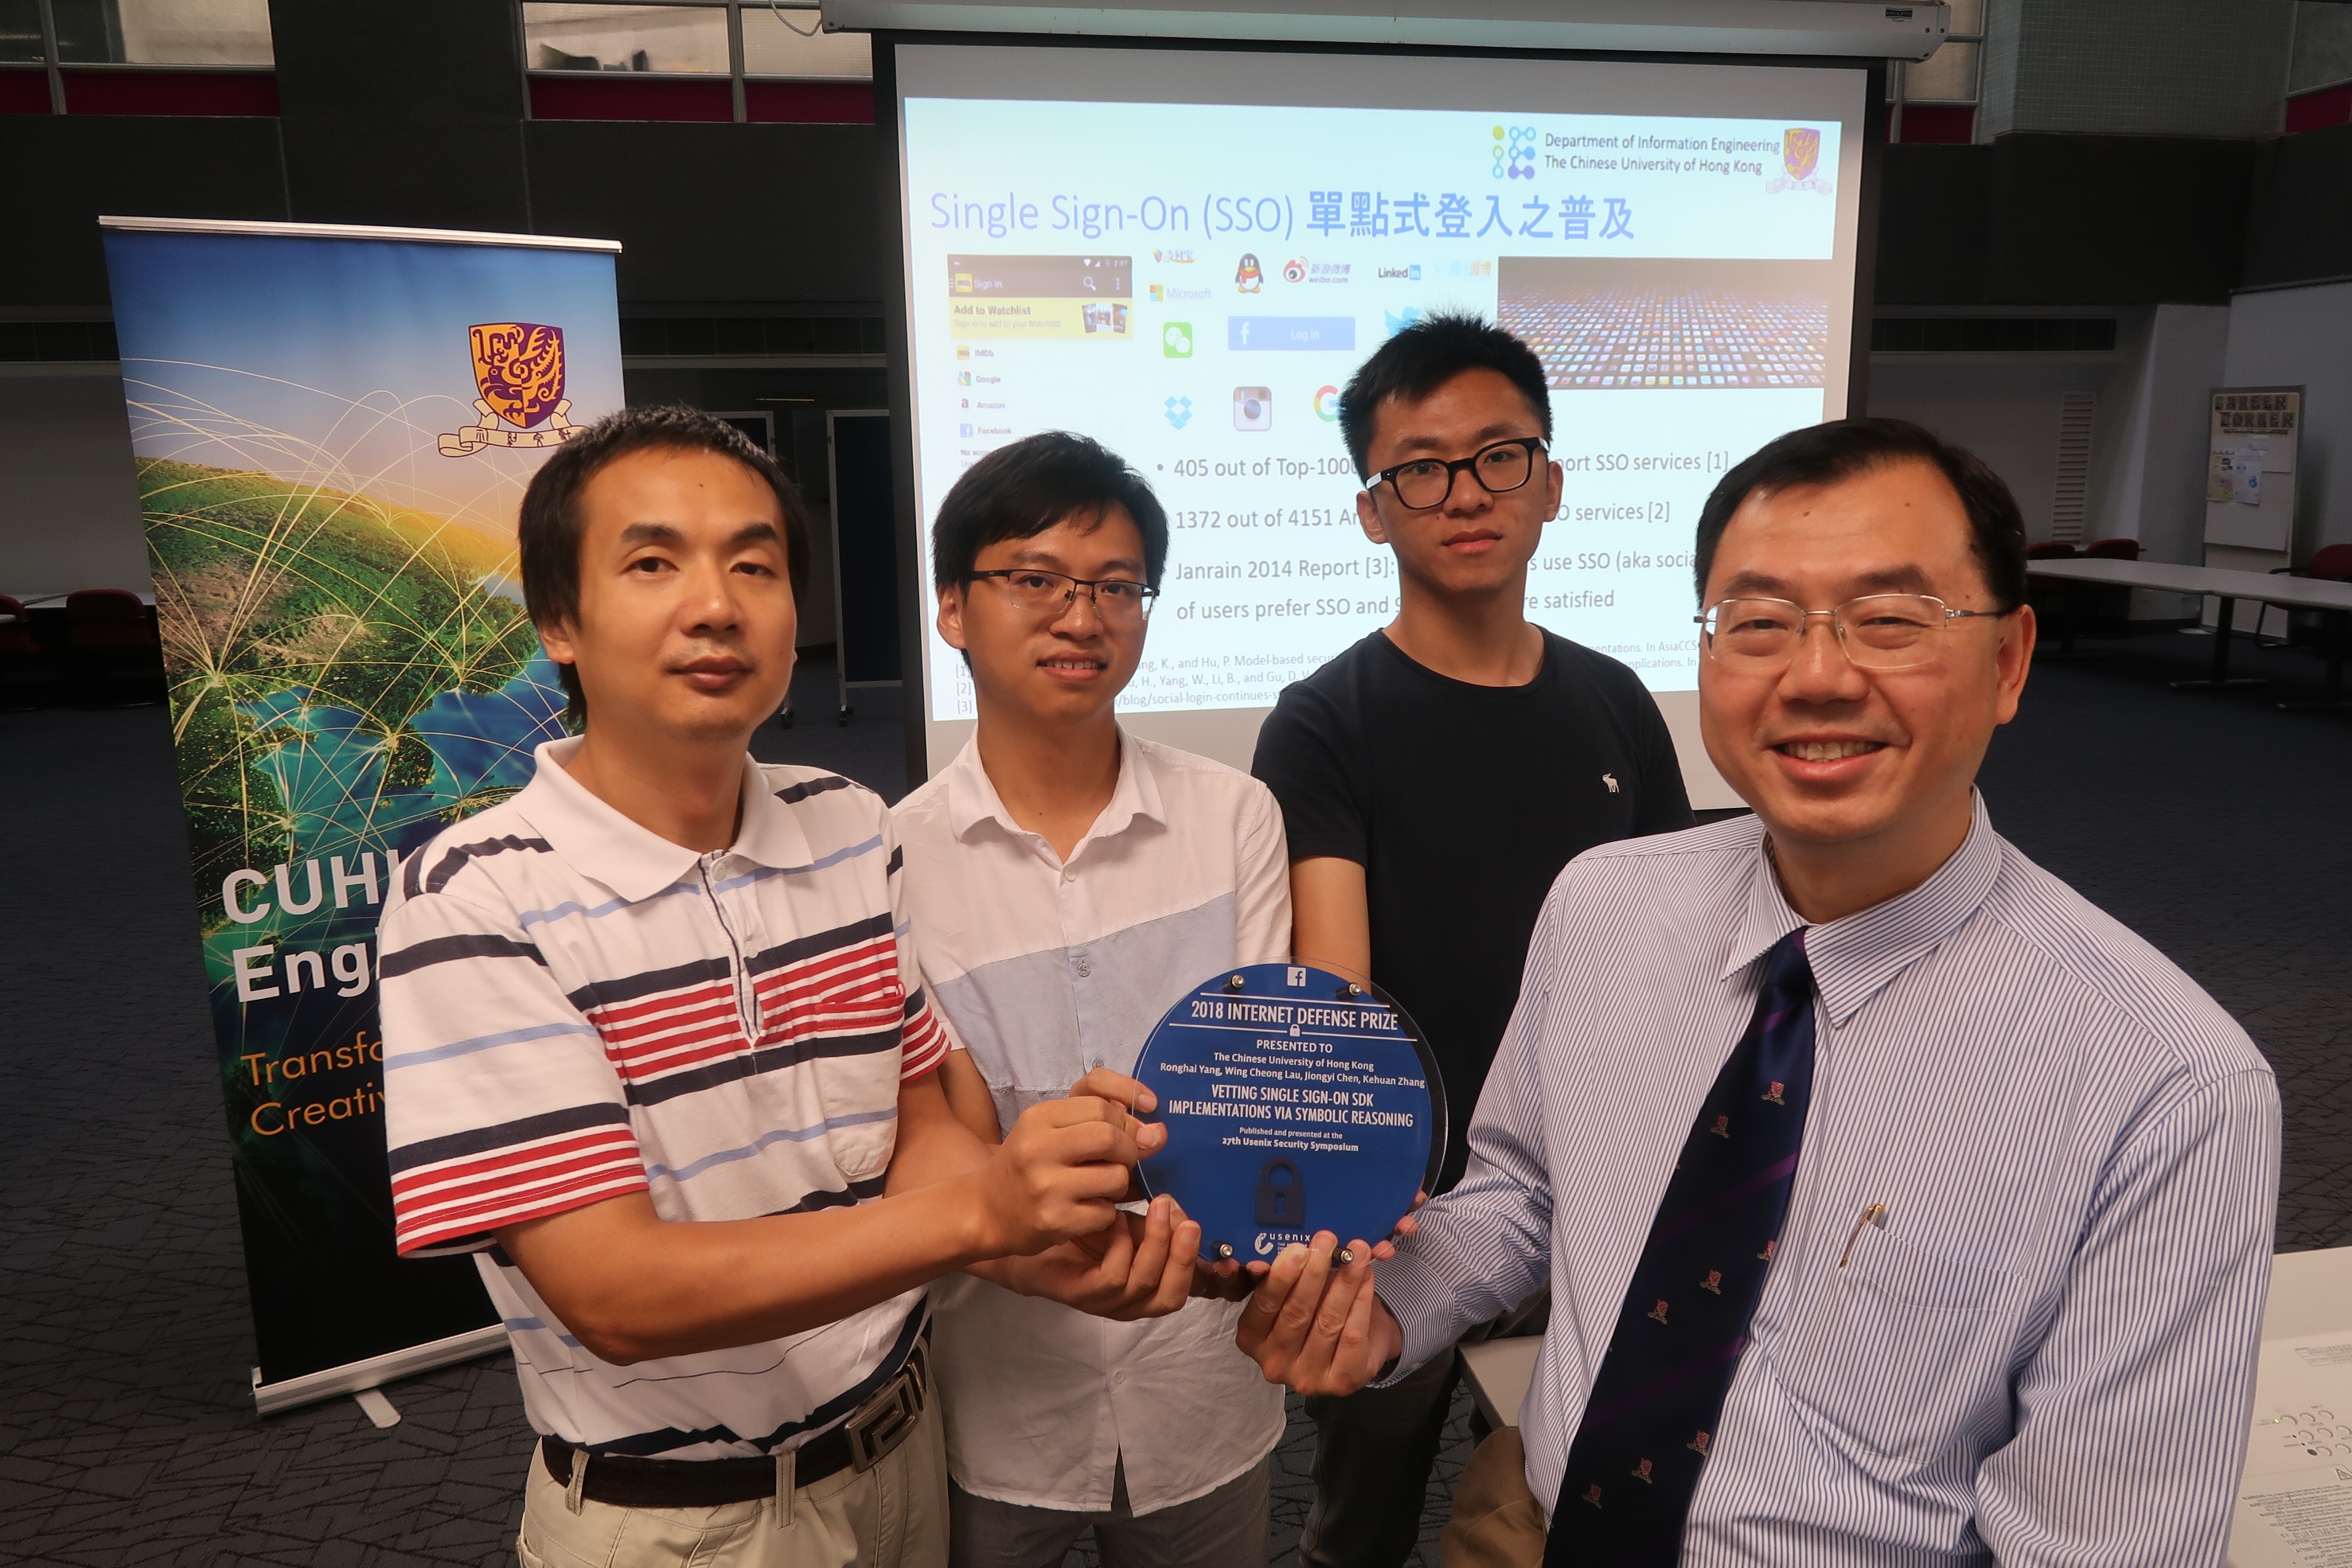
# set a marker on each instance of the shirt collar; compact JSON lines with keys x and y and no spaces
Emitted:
{"x":972,"y":798}
{"x":633,"y":860}
{"x":1854,"y":958}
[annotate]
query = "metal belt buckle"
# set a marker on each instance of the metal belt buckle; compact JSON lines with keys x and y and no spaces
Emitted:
{"x":882,"y":1425}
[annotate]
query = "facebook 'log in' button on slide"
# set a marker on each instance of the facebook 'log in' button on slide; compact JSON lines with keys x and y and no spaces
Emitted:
{"x":1290,"y":332}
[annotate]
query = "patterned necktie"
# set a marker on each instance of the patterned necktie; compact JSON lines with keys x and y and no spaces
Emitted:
{"x":1651,"y":1419}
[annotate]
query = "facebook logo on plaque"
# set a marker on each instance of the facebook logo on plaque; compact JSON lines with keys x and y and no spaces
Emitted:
{"x":1248,"y":333}
{"x":1281,"y":1195}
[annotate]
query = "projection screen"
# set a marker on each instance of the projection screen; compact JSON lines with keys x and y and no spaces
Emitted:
{"x":1185,"y":254}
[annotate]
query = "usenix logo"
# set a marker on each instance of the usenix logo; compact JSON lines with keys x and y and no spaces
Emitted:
{"x":1269,"y":1241}
{"x":1179,"y":411}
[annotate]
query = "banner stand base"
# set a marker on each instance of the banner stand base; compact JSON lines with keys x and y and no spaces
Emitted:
{"x":271,"y":1398}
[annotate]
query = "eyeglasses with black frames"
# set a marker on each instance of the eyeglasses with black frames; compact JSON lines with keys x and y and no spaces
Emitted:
{"x":1426,"y":482}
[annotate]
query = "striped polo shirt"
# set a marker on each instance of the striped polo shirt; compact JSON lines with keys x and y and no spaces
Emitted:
{"x":576,"y":1008}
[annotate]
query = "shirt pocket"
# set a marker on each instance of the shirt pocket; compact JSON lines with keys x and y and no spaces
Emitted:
{"x":1899,"y":1356}
{"x":849,"y":1045}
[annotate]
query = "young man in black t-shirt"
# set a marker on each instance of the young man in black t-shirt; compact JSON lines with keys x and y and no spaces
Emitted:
{"x":1433,"y":780}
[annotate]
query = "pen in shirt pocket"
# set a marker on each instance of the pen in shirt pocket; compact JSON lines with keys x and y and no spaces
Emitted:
{"x":1875,"y":1216}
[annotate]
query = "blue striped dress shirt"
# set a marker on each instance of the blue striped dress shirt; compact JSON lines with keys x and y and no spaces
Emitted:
{"x":2043,"y":1355}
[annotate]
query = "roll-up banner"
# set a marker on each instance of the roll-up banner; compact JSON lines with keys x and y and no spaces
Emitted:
{"x":332,"y":428}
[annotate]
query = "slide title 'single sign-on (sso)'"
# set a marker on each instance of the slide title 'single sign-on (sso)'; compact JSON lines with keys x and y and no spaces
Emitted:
{"x":1132,"y":248}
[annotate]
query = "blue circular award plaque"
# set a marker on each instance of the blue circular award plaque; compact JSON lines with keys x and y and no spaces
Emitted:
{"x":1295,"y":1100}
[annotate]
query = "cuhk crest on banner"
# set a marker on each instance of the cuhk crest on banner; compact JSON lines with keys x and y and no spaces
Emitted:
{"x":519,"y":371}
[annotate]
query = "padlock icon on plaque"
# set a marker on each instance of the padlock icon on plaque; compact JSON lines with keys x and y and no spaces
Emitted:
{"x":1281,"y":1194}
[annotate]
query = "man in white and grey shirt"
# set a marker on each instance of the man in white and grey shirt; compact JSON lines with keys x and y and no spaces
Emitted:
{"x":1067,"y":883}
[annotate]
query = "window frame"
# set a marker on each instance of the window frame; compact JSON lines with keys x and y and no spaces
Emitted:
{"x":54,"y":69}
{"x":737,"y":75}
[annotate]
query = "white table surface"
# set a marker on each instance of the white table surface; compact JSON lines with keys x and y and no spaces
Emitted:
{"x":2302,"y":593}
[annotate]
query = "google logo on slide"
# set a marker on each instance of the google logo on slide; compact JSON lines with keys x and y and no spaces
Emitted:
{"x":1326,"y":402}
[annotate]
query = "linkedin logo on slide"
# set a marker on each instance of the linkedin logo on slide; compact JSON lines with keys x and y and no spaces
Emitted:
{"x":1326,"y":402}
{"x":1253,"y":408}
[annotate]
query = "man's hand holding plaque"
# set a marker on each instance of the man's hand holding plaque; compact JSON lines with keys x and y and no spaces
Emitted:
{"x":1135,"y":1265}
{"x":1315,"y":1323}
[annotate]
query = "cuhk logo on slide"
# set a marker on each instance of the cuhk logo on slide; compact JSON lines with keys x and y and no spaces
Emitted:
{"x":519,"y":372}
{"x":1800,"y":150}
{"x":1801,"y":154}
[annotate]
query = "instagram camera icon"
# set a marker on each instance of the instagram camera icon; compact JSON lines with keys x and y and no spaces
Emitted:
{"x":1253,"y":408}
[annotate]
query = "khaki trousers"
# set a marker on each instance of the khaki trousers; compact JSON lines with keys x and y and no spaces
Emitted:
{"x":892,"y":1516}
{"x":1497,"y":1521}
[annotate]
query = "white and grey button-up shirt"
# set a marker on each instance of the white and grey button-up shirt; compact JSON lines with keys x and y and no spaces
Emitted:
{"x":1048,"y":968}
{"x":2043,"y":1355}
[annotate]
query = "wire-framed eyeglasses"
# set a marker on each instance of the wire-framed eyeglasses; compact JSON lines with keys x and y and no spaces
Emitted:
{"x":1878,"y":631}
{"x":1426,"y":482}
{"x":1033,"y":592}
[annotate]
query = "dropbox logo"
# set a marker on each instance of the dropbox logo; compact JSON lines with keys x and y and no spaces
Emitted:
{"x":1179,"y":411}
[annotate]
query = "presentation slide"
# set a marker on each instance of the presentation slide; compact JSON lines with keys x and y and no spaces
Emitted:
{"x":1186,"y":253}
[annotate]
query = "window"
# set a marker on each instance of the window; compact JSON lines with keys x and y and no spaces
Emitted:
{"x":693,"y":59}
{"x":137,"y":57}
{"x":670,"y":39}
{"x":1935,"y":100}
{"x":778,"y":42}
{"x":162,"y":32}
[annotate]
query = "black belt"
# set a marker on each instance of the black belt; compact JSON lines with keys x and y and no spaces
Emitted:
{"x":862,"y":1442}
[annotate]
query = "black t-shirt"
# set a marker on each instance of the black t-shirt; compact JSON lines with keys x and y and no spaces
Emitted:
{"x":1463,"y":803}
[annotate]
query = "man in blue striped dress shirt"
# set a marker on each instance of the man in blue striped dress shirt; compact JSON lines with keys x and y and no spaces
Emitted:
{"x":1898,"y":1206}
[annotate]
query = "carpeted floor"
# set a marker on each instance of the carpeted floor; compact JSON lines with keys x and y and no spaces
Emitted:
{"x":2211,"y":823}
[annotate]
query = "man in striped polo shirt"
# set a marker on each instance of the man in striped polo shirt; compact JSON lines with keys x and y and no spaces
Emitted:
{"x":656,"y":1052}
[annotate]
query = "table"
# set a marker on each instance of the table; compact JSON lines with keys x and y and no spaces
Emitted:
{"x":2311,"y":1295}
{"x":2229,"y":586}
{"x":1500,"y":1372}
